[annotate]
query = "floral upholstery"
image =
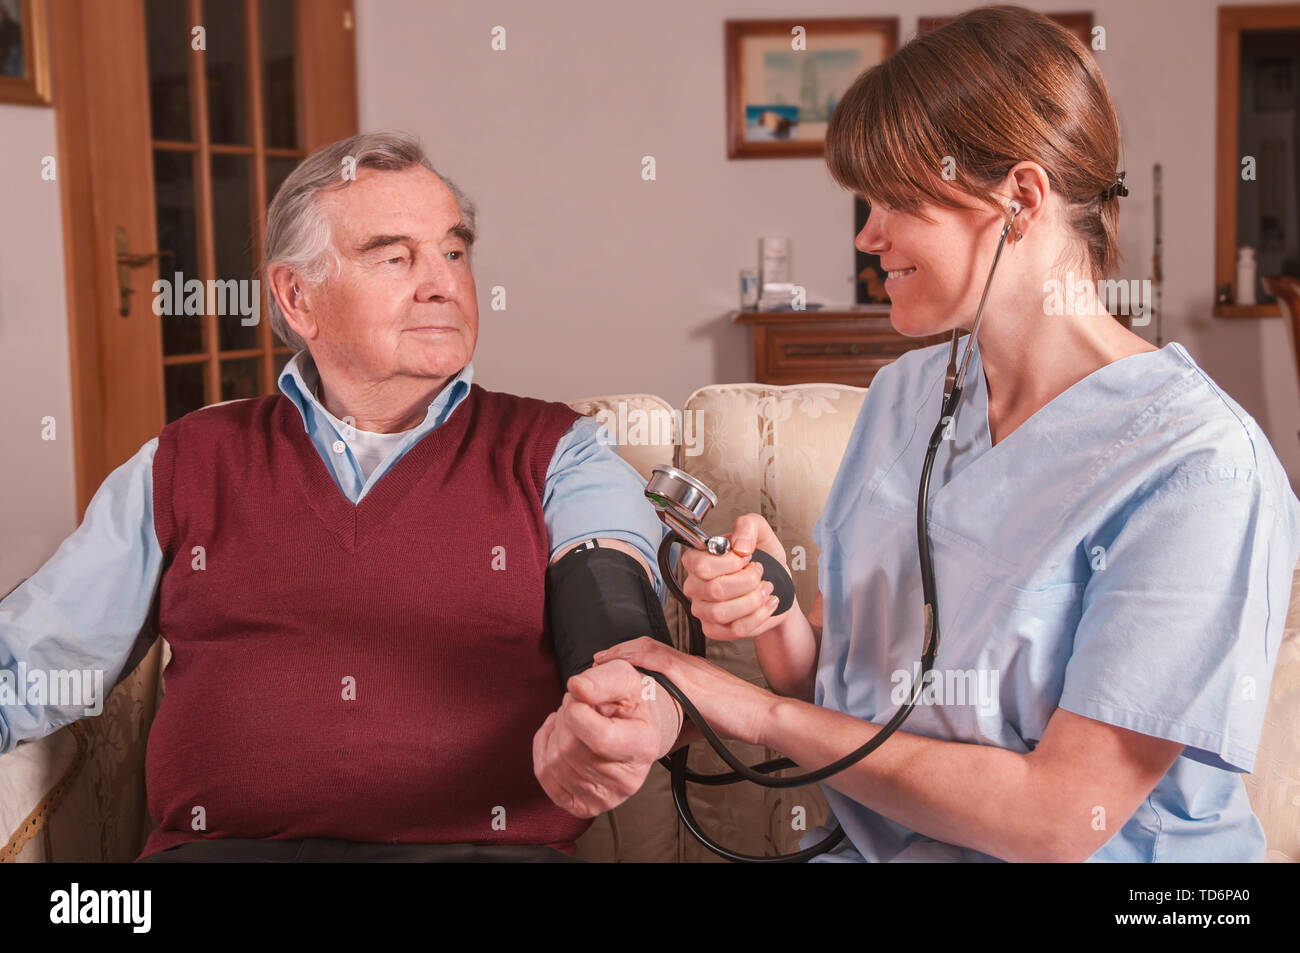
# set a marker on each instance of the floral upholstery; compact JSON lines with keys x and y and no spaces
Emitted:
{"x":1274,"y":787}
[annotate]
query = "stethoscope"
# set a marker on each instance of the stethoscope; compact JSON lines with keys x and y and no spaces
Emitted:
{"x":683,"y":501}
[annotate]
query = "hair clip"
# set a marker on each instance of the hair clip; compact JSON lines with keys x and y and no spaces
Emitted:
{"x":1119,"y":188}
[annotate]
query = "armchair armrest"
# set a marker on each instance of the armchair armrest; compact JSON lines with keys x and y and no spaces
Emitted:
{"x":79,"y":794}
{"x":40,"y":771}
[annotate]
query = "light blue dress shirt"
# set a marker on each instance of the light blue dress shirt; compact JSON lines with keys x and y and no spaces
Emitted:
{"x":1125,"y":554}
{"x":84,"y":608}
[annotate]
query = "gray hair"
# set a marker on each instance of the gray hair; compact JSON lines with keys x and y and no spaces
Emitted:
{"x":297,"y":228}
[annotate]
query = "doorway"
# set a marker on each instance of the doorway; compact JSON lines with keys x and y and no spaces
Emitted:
{"x":177,"y":121}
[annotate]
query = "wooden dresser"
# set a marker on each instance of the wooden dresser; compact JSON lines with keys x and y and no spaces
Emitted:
{"x":843,"y":346}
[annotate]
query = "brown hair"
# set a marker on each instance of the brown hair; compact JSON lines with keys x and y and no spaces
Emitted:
{"x":996,"y":86}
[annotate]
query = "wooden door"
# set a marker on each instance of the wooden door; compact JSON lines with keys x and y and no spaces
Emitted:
{"x":177,"y":121}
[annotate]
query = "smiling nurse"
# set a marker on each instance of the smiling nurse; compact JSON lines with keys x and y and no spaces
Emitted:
{"x":1112,"y":535}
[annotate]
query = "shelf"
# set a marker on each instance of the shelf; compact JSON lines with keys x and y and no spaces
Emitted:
{"x":840,"y":313}
{"x":1247,"y":311}
{"x":844,"y":345}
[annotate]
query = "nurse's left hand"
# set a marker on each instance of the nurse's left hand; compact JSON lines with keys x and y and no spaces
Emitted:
{"x":733,"y":707}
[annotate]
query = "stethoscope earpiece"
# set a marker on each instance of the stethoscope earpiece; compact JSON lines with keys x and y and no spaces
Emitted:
{"x":1013,"y":210}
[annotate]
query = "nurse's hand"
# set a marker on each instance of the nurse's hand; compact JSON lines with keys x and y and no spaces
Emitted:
{"x":728,"y":593}
{"x":733,"y":707}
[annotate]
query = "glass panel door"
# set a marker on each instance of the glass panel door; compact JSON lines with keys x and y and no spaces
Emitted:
{"x":224,"y":110}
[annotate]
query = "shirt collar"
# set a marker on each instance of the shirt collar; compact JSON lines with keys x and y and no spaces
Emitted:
{"x":299,"y":378}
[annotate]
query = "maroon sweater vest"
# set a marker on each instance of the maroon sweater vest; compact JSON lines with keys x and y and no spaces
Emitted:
{"x":368,"y":673}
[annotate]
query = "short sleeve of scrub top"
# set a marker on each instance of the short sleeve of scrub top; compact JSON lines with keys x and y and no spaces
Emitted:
{"x":1125,"y":554}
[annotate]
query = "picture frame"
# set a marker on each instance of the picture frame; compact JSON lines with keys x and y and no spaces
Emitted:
{"x":24,"y":63}
{"x":784,"y":78}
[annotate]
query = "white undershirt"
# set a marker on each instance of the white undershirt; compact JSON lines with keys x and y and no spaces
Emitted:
{"x":369,"y":448}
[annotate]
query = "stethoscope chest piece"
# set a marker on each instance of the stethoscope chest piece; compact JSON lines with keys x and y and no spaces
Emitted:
{"x":683,"y":502}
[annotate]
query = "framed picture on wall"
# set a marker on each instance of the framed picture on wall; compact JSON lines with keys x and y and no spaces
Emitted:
{"x":785,"y":77}
{"x":24,"y":73}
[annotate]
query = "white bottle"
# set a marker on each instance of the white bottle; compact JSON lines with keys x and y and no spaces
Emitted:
{"x":774,"y":261}
{"x":1245,"y":275}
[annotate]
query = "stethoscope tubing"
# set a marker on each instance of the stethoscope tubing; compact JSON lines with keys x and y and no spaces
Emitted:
{"x":759,"y":773}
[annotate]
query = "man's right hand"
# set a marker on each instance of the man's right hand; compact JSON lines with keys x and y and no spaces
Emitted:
{"x":595,"y":751}
{"x":728,"y":593}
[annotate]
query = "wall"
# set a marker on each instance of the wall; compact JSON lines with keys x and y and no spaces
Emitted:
{"x":633,"y":278}
{"x":38,"y":496}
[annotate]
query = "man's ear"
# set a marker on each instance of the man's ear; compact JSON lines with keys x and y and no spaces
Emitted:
{"x":293,"y":296}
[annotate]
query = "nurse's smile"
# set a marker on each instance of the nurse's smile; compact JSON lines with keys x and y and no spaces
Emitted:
{"x":896,"y":278}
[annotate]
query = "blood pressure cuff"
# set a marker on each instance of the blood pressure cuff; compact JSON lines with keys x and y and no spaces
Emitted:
{"x":595,"y":599}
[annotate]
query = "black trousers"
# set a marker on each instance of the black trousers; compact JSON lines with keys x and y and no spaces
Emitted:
{"x":323,"y":850}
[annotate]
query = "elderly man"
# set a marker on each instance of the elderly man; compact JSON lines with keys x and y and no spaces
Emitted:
{"x":356,"y":575}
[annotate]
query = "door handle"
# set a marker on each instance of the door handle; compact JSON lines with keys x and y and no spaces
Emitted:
{"x":125,"y":262}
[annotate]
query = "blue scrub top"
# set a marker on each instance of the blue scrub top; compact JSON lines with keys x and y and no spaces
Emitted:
{"x":1125,"y":554}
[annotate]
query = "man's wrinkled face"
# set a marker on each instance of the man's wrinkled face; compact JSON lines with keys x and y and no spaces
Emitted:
{"x":404,"y":301}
